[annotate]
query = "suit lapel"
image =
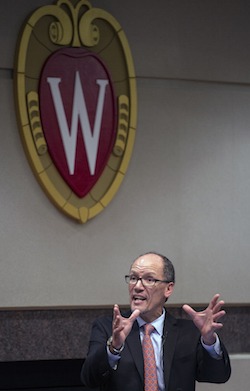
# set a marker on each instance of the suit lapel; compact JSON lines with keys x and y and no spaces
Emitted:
{"x":134,"y":345}
{"x":170,"y":338}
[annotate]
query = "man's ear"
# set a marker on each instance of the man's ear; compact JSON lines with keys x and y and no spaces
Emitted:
{"x":169,"y":289}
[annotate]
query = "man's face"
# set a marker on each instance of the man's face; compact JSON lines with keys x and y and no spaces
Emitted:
{"x":149,"y":300}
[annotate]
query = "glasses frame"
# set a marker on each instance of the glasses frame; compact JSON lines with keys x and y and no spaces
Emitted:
{"x":127,"y":279}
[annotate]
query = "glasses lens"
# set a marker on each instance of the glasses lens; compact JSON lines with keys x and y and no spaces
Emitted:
{"x":133,"y":280}
{"x":148,"y":281}
{"x":130,"y":280}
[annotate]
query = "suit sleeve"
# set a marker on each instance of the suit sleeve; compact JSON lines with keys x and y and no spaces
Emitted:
{"x":213,"y":370}
{"x":190,"y":361}
{"x":96,"y":369}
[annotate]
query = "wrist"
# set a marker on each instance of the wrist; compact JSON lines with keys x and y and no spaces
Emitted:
{"x":209,"y":340}
{"x":112,"y":349}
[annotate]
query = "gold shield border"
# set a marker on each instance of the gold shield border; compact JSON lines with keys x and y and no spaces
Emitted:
{"x":74,"y":24}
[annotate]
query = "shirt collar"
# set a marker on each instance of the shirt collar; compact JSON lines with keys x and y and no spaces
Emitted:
{"x":157,"y":323}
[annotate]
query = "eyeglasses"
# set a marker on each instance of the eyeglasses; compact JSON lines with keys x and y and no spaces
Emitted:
{"x":146,"y":281}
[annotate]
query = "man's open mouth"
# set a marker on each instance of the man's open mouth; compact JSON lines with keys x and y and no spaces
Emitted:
{"x":138,"y":299}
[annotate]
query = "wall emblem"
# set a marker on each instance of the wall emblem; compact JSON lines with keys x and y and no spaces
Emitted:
{"x":76,"y":104}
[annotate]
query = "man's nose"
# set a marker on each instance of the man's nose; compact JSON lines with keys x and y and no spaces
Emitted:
{"x":139,"y":281}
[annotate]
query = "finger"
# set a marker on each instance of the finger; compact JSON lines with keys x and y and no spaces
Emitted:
{"x":213,"y":301}
{"x":217,"y":326}
{"x":217,"y":307}
{"x":116,"y":310}
{"x":219,"y":315}
{"x":116,"y":322}
{"x":116,"y":316}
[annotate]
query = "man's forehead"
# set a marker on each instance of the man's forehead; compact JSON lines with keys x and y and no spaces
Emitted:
{"x":148,"y":261}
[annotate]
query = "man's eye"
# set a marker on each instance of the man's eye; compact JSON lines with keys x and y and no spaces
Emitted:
{"x":133,"y":278}
{"x":150,"y":279}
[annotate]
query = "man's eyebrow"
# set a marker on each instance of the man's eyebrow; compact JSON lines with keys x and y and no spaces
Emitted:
{"x":146,"y":274}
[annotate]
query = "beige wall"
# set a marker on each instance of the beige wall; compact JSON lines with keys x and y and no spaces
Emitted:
{"x":187,"y":189}
{"x":239,"y":379}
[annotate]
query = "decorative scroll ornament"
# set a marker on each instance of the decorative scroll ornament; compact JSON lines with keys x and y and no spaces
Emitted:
{"x":76,"y":104}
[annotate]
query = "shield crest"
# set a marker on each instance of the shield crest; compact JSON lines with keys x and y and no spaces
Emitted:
{"x":78,"y":116}
{"x":76,"y":105}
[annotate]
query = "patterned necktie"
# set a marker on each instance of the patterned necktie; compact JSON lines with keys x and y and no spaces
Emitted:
{"x":150,"y":376}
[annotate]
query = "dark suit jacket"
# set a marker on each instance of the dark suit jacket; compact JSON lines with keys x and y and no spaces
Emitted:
{"x":184,"y":359}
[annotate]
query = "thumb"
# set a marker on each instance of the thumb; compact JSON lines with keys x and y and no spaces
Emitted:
{"x":134,"y":315}
{"x":189,"y":310}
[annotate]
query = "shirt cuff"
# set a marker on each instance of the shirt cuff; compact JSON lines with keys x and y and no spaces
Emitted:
{"x":215,"y":349}
{"x":113,"y":359}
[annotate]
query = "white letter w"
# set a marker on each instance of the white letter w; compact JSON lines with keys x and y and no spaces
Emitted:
{"x":69,"y":137}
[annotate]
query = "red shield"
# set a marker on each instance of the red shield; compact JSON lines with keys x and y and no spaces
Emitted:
{"x":66,"y":68}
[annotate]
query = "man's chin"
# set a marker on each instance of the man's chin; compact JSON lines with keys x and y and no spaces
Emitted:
{"x":138,"y":306}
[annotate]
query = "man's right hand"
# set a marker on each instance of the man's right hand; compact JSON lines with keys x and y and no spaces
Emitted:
{"x":121,"y":326}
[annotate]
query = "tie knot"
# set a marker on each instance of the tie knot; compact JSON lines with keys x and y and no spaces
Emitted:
{"x":148,"y":328}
